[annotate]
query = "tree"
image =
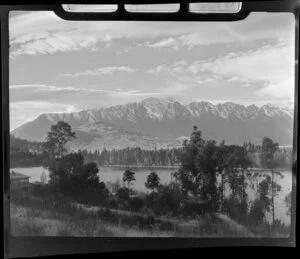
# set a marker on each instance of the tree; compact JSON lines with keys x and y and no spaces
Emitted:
{"x":209,"y":163}
{"x":190,"y":174}
{"x":62,"y":170}
{"x":43,"y":177}
{"x":269,"y":148}
{"x":238,"y":161}
{"x":136,"y":203}
{"x":167,"y":200}
{"x":70,"y":176}
{"x":288,"y":202}
{"x":128,"y":177}
{"x":268,"y":160}
{"x":57,"y":138}
{"x":262,"y":204}
{"x":152,"y":182}
{"x":116,"y":185}
{"x":200,"y":163}
{"x":123,"y":193}
{"x":196,"y":138}
{"x":203,"y":161}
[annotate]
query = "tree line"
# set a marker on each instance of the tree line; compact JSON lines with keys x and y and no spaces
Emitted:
{"x":172,"y":157}
{"x":134,"y":156}
{"x":26,"y":153}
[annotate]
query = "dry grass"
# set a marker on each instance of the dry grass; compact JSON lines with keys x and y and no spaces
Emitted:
{"x":34,"y":222}
{"x":29,"y":219}
{"x":29,"y":222}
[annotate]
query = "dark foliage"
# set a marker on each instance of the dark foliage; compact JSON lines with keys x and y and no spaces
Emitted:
{"x":72,"y":177}
{"x":123,"y":193}
{"x":136,"y":203}
{"x":57,"y":138}
{"x":134,"y":156}
{"x":152,"y":182}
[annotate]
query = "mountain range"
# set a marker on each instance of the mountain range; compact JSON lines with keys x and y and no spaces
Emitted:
{"x":163,"y":122}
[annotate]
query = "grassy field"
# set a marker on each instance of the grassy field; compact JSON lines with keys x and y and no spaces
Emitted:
{"x":57,"y":216}
{"x":31,"y":222}
{"x":26,"y":221}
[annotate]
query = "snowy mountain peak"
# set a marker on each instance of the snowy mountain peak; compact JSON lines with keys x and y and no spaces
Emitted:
{"x":270,"y":110}
{"x":170,"y":118}
{"x":160,"y":108}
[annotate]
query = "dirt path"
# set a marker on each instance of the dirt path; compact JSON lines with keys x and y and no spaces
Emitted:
{"x":233,"y":225}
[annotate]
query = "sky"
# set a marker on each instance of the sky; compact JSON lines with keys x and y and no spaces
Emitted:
{"x":64,"y":66}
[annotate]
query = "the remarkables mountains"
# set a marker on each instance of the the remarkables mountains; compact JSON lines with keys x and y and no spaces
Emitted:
{"x":156,"y":122}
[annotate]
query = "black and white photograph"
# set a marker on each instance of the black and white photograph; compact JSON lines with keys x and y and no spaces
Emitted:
{"x":154,"y":129}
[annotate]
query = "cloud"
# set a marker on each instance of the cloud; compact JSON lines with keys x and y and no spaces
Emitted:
{"x":175,"y":88}
{"x":176,"y":67}
{"x":44,"y":87}
{"x":184,"y":75}
{"x":159,"y":69}
{"x":268,"y":69}
{"x":43,"y":32}
{"x":102,"y":71}
{"x":189,"y":40}
{"x":35,"y":33}
{"x":282,"y":88}
{"x":52,"y":88}
{"x":243,"y":32}
{"x":185,"y":72}
{"x":265,"y":63}
{"x":92,"y":89}
{"x":54,"y":43}
{"x":168,"y":42}
{"x":24,"y":111}
{"x":272,"y":65}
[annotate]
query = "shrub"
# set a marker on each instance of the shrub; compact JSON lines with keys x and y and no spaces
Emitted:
{"x":123,"y":193}
{"x":237,"y":209}
{"x":147,"y":211}
{"x":136,"y":203}
{"x":40,"y":190}
{"x":257,"y":213}
{"x":168,"y":200}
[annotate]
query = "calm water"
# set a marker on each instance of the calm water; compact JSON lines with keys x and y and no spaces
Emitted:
{"x":108,"y":174}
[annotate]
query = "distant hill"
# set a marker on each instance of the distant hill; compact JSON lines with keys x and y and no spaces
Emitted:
{"x":23,"y":145}
{"x":158,"y":122}
{"x":24,"y":153}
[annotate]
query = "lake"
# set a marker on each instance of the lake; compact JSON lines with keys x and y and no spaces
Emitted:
{"x":113,"y":174}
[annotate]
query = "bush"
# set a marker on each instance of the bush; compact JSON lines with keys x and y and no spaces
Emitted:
{"x":40,"y":190}
{"x":136,"y":203}
{"x":167,"y":200}
{"x":70,"y":176}
{"x":236,"y":209}
{"x":257,"y":213}
{"x":166,"y":226}
{"x":194,"y":209}
{"x":147,"y":211}
{"x":123,"y":193}
{"x":112,"y":202}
